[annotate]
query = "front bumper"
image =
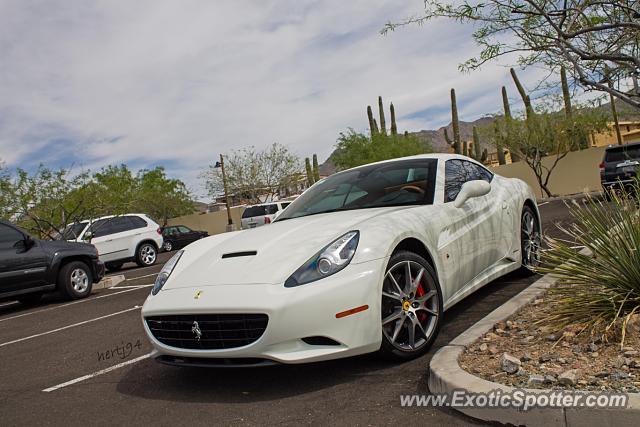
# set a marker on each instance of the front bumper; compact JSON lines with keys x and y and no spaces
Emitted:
{"x":294,"y":313}
{"x":98,"y":270}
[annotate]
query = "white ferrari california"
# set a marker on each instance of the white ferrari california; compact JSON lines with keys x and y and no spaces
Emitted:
{"x":365,"y":260}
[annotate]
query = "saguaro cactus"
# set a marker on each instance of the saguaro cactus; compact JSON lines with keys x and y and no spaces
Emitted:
{"x":316,"y":169}
{"x":307,"y":165}
{"x":373,"y":127}
{"x":394,"y":128}
{"x":523,"y":93}
{"x":383,"y":128}
{"x":455,"y":124}
{"x":508,"y":119}
{"x":476,"y":145}
{"x":566,"y":96}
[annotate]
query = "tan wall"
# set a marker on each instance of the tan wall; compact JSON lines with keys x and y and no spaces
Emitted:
{"x":576,"y":173}
{"x":213,"y":223}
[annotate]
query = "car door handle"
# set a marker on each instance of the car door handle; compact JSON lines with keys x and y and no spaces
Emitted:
{"x":110,"y":240}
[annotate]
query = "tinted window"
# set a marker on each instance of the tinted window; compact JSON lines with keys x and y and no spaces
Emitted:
{"x":271,"y":209}
{"x":620,"y":154}
{"x":407,"y":182}
{"x":457,"y":172}
{"x":137,"y":222}
{"x":120,"y":224}
{"x":73,"y":231}
{"x":252,"y":211}
{"x":284,"y":205}
{"x":184,"y":229}
{"x":101,"y":227}
{"x":9,"y":236}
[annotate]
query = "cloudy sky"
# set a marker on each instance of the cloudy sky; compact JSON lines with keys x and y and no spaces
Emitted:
{"x":175,"y":83}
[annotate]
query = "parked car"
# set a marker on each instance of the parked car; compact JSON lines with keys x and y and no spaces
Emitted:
{"x":119,"y":239}
{"x":365,"y":260}
{"x":29,"y":267}
{"x":262,"y":214}
{"x":620,"y":165}
{"x":178,"y":236}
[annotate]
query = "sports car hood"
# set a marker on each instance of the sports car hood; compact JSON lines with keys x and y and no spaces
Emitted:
{"x":264,"y":255}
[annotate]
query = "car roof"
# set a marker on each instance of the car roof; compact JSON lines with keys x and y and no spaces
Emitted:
{"x":622,"y":147}
{"x":267,"y":204}
{"x":435,"y":156}
{"x":107,"y":217}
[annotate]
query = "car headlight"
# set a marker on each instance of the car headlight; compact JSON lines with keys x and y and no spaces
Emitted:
{"x":331,"y":259}
{"x":166,"y":271}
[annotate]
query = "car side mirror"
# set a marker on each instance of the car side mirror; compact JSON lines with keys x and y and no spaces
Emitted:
{"x":87,"y":236}
{"x":29,"y":242}
{"x":471,"y":189}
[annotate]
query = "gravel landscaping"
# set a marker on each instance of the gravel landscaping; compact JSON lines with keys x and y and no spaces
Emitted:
{"x":524,"y":353}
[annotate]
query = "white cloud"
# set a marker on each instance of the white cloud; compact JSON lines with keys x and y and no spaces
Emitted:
{"x":179,"y":82}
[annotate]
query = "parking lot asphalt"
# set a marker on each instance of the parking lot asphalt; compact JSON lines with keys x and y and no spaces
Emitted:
{"x":85,"y":363}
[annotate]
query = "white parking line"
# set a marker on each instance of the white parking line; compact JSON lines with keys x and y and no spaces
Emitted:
{"x":95,"y":374}
{"x":132,"y":286}
{"x":140,"y":277}
{"x":66,"y":305}
{"x":69,"y":326}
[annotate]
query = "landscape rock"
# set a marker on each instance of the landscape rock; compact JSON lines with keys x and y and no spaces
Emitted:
{"x":483,"y":347}
{"x":509,"y":364}
{"x":630,"y":353}
{"x":536,"y":380}
{"x":551,"y":337}
{"x":569,"y":377}
{"x":547,"y":357}
{"x":525,"y":357}
{"x":592,"y":347}
{"x":616,"y":376}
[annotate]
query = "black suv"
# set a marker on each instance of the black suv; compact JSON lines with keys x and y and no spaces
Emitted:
{"x":30,"y":267}
{"x":620,"y":165}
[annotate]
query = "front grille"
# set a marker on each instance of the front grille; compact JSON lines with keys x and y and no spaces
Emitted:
{"x":216,"y":331}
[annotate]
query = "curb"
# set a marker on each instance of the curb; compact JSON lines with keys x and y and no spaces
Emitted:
{"x":446,"y":377}
{"x":109,"y":282}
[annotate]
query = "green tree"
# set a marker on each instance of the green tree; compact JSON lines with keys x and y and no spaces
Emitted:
{"x":255,"y":175}
{"x":597,"y":41}
{"x":355,"y":149}
{"x":160,"y":197}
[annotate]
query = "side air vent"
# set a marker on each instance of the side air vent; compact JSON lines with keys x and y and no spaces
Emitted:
{"x":239,"y":254}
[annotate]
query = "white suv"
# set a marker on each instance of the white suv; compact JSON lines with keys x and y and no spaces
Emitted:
{"x":257,"y":215}
{"x":119,"y":238}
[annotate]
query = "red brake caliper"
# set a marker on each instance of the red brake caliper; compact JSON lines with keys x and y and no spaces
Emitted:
{"x":420,"y":292}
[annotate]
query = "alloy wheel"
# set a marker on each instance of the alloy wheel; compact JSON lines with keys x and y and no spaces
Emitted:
{"x":148,"y":254}
{"x":168,"y":246}
{"x":410,"y":306}
{"x":531,"y":239}
{"x":79,"y":280}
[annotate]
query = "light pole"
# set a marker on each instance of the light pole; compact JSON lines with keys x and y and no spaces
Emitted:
{"x":220,"y":164}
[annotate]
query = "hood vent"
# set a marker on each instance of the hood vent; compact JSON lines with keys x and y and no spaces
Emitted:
{"x":239,"y":254}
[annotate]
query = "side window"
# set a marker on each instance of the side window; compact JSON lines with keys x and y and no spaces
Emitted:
{"x":137,"y":222}
{"x":101,"y":228}
{"x":9,"y":236}
{"x":184,"y":229}
{"x":457,"y":172}
{"x":120,"y":224}
{"x":271,"y":209}
{"x":284,"y":205}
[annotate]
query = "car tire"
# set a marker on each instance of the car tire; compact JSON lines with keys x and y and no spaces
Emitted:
{"x":530,"y":240}
{"x":113,"y":266}
{"x":75,"y":280}
{"x":406,"y":305}
{"x":167,"y":246}
{"x":30,"y":299}
{"x":146,"y":254}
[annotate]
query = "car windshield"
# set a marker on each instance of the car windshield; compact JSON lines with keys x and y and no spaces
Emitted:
{"x":72,"y":231}
{"x":406,"y":182}
{"x":620,"y":154}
